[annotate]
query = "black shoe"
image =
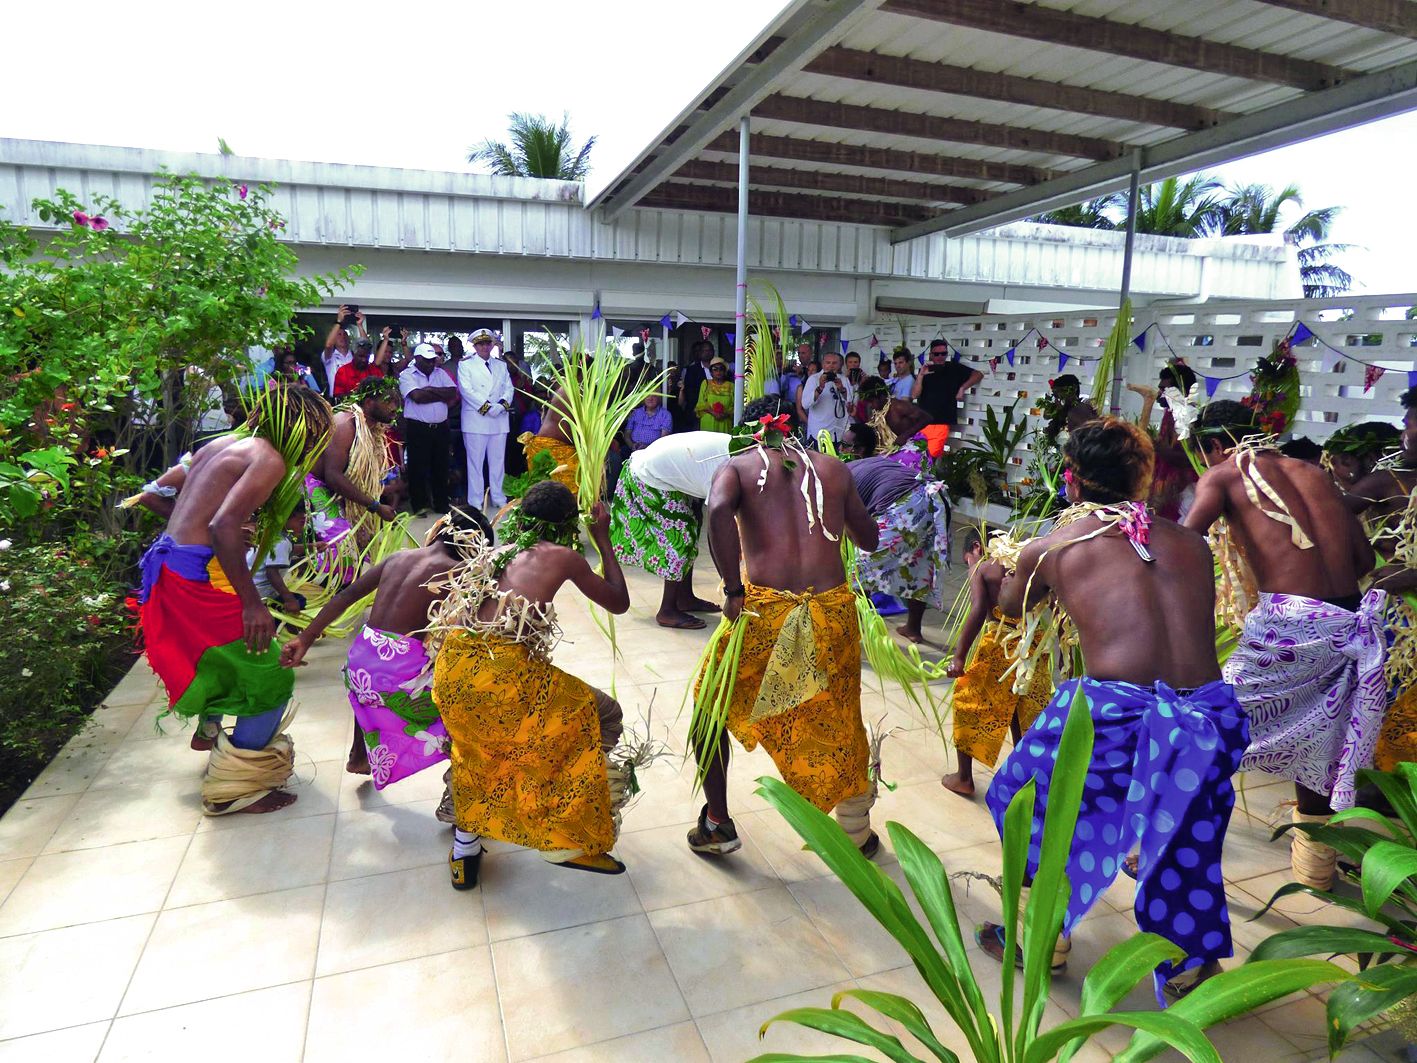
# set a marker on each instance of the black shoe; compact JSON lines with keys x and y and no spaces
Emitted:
{"x":720,"y":841}
{"x":464,"y":870}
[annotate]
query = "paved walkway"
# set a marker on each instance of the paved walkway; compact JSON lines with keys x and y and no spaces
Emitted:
{"x":132,"y":927}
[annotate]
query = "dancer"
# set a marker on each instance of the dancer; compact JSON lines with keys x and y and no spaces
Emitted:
{"x":530,"y":743}
{"x":207,"y":632}
{"x":797,"y":685}
{"x":354,"y":468}
{"x":396,"y":727}
{"x":1309,"y":665}
{"x":486,"y":390}
{"x":1383,"y":493}
{"x":1351,"y":453}
{"x":657,"y":515}
{"x":984,"y":702}
{"x":554,"y":438}
{"x":1168,"y":731}
{"x":912,"y":513}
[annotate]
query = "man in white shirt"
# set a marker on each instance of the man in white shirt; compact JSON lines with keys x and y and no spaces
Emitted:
{"x":336,"y":352}
{"x":657,"y":514}
{"x":826,"y":399}
{"x":902,"y":383}
{"x":486,"y":390}
{"x":427,"y":389}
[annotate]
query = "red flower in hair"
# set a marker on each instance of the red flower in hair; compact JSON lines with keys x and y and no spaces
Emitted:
{"x":779,"y":423}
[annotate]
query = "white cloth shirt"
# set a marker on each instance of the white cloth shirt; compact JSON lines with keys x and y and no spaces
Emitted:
{"x":901,"y":386}
{"x":831,"y":411}
{"x":333,"y":359}
{"x":685,"y":462}
{"x":484,"y":380}
{"x":279,"y":557}
{"x":413,"y":378}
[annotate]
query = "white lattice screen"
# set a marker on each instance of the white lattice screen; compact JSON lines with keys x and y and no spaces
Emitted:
{"x":1218,"y":340}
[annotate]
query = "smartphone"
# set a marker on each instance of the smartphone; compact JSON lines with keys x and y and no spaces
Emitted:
{"x":351,"y":310}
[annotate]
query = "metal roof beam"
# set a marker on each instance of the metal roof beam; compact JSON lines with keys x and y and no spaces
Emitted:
{"x":1398,"y":17}
{"x":903,"y":72}
{"x":675,"y":196}
{"x":826,"y":153}
{"x":817,"y":181}
{"x":1056,"y":26}
{"x":817,"y":24}
{"x":799,"y":109}
{"x":1363,"y":99}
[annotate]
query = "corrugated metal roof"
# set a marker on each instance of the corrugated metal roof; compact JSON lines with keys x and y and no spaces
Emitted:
{"x":1035,"y":103}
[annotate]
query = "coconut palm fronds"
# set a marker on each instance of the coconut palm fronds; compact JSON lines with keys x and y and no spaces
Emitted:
{"x":769,"y":336}
{"x":1113,"y":354}
{"x":317,"y":575}
{"x":713,"y":694}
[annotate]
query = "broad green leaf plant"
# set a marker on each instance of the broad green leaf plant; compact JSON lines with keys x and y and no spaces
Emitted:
{"x":1009,"y":1028}
{"x":1384,"y":851}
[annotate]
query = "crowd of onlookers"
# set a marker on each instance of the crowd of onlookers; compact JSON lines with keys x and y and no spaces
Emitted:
{"x":460,"y":406}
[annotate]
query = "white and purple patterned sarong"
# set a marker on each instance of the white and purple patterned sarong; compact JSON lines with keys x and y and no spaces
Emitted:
{"x":1310,"y":676}
{"x":390,"y":690}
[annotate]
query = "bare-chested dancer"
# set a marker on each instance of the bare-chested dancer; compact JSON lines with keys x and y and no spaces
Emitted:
{"x":1309,"y":665}
{"x":396,"y":731}
{"x":792,"y":550}
{"x":207,"y":631}
{"x":1168,"y":731}
{"x":530,"y":743}
{"x":345,"y":494}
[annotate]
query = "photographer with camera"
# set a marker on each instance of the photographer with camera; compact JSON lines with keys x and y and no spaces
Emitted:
{"x":826,"y":399}
{"x":941,"y":385}
{"x":337,"y":352}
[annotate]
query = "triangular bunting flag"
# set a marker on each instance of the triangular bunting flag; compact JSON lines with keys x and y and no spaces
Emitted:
{"x":1302,"y":334}
{"x":731,"y":337}
{"x":792,"y":320}
{"x":1062,"y":356}
{"x":994,"y":364}
{"x":844,"y":345}
{"x":1371,"y":375}
{"x":1042,"y":342}
{"x":1211,"y":383}
{"x":1412,"y":378}
{"x":956,"y":356}
{"x":1009,"y":354}
{"x":679,"y":319}
{"x":707,"y":332}
{"x":595,"y":314}
{"x":874,"y":341}
{"x":664,"y":321}
{"x":1140,"y":340}
{"x":616,"y":331}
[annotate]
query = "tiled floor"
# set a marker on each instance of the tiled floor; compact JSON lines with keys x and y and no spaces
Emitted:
{"x":132,"y":927}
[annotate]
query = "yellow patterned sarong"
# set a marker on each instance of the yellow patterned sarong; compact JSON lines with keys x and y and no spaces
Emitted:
{"x":985,"y":703}
{"x":567,"y":464}
{"x":800,"y":696}
{"x":1397,"y":741}
{"x":528,"y":766}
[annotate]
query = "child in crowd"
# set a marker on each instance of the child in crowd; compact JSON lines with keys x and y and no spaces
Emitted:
{"x":270,"y":579}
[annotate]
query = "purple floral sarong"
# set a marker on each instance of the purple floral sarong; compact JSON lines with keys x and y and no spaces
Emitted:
{"x":1310,"y":676}
{"x":391,"y":692}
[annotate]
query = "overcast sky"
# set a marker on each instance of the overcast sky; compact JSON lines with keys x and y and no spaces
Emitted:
{"x":415,"y":83}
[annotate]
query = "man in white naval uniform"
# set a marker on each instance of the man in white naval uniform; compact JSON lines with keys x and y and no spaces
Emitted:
{"x":486,"y":391}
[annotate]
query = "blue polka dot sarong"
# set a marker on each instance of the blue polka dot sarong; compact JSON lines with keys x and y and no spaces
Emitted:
{"x":1159,"y":779}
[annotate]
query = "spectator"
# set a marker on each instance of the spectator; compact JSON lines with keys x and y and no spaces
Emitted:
{"x":337,"y":353}
{"x":486,"y":390}
{"x":825,"y":401}
{"x":457,"y":462}
{"x":270,"y":578}
{"x":288,"y":368}
{"x":359,"y":368}
{"x":647,"y":422}
{"x":902,"y":381}
{"x":715,"y":405}
{"x":428,"y":392}
{"x":790,"y":381}
{"x":941,"y":385}
{"x":854,"y":373}
{"x":693,"y":378}
{"x":883,"y":367}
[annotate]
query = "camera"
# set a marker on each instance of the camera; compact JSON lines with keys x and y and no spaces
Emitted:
{"x":350,"y":314}
{"x":829,"y":376}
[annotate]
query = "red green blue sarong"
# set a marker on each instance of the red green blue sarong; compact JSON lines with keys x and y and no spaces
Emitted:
{"x":192,"y":629}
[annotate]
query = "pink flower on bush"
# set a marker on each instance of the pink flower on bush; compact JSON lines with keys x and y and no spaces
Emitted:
{"x":98,"y":223}
{"x":241,"y":191}
{"x":80,"y":218}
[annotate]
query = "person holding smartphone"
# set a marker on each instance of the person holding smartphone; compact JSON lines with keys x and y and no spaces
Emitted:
{"x":940,"y":387}
{"x":826,"y":399}
{"x":337,"y":352}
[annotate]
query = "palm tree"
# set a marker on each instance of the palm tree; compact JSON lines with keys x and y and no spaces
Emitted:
{"x":1256,"y":209}
{"x":1176,"y":207}
{"x":535,"y":147}
{"x":1092,"y":214}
